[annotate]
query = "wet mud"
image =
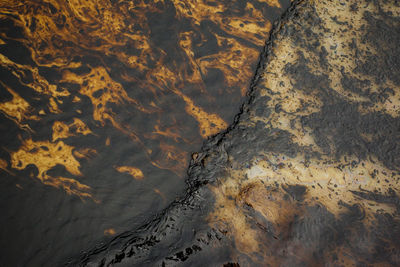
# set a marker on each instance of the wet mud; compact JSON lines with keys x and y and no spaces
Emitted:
{"x":102,"y":104}
{"x":309,"y":172}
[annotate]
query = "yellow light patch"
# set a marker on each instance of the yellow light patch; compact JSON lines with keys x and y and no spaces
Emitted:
{"x":132,"y":171}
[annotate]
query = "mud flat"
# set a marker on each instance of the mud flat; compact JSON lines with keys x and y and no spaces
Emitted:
{"x":309,"y":172}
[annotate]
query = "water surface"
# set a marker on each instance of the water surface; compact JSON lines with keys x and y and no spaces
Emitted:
{"x":102,"y":104}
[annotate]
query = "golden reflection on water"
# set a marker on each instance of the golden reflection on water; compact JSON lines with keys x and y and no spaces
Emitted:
{"x":134,"y":172}
{"x":124,"y":58}
{"x":45,"y":155}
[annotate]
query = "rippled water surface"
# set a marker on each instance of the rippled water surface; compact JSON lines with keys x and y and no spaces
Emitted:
{"x":102,"y":104}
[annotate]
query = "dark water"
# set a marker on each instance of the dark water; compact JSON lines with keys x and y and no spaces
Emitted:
{"x":102,"y":104}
